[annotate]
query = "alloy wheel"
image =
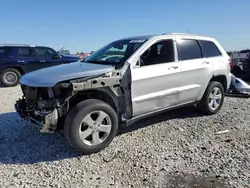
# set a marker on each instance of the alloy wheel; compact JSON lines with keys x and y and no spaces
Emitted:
{"x":215,"y":97}
{"x":95,"y":128}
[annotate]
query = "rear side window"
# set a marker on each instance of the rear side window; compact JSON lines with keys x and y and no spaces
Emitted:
{"x":188,"y":49}
{"x":45,"y":52}
{"x":26,"y":52}
{"x":5,"y":52}
{"x":209,"y":49}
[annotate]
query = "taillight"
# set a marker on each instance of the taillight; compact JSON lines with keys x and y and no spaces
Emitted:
{"x":230,"y":63}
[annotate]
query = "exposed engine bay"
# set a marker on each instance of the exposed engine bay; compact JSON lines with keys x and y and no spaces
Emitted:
{"x":47,"y":106}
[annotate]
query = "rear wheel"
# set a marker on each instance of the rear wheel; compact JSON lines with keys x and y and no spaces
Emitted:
{"x":212,"y":99}
{"x":90,"y":126}
{"x":10,"y":77}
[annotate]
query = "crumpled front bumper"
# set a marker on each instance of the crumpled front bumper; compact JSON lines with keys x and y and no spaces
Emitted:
{"x":26,"y":115}
{"x":46,"y":121}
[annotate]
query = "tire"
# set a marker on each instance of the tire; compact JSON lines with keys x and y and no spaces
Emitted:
{"x":204,"y":106}
{"x":13,"y":74}
{"x":73,"y":126}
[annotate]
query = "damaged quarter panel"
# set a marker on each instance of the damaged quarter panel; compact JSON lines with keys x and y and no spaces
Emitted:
{"x":53,"y":75}
{"x":116,"y":84}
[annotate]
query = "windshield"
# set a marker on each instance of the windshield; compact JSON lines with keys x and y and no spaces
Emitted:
{"x":116,"y":52}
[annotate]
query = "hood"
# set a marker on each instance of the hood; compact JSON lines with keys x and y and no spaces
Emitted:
{"x":50,"y":76}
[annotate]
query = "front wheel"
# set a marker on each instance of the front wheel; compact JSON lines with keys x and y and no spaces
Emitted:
{"x":212,"y":99}
{"x":90,"y":126}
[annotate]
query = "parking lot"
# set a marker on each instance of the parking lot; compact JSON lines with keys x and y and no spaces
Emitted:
{"x":179,"y":147}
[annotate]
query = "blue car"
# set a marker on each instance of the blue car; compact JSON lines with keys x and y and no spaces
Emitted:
{"x":17,"y":60}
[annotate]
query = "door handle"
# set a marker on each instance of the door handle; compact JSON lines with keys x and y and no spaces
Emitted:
{"x":20,"y":61}
{"x":205,"y":62}
{"x":42,"y":61}
{"x":174,"y":67}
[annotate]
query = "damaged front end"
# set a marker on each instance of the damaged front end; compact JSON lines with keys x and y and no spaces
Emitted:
{"x":42,"y":107}
{"x":45,"y":107}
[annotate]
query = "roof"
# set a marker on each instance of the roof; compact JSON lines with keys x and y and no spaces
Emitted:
{"x":19,"y":45}
{"x":146,"y":37}
{"x":14,"y":45}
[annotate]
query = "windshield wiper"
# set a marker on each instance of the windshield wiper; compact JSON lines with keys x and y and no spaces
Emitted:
{"x":92,"y":61}
{"x":100,"y":62}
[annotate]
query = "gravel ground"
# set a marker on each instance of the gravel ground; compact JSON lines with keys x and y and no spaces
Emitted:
{"x":170,"y":149}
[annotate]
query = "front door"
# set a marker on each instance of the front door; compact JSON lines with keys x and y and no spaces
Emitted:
{"x":155,"y":83}
{"x":47,"y":57}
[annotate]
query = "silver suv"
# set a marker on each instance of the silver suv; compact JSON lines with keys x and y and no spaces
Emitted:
{"x":125,"y":81}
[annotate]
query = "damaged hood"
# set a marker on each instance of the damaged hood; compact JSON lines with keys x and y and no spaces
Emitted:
{"x":50,"y":76}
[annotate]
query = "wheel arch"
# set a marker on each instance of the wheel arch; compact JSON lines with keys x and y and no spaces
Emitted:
{"x":221,"y":79}
{"x":218,"y":78}
{"x":17,"y":68}
{"x":103,"y":94}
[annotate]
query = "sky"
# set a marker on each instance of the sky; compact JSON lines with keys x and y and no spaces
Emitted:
{"x":83,"y":26}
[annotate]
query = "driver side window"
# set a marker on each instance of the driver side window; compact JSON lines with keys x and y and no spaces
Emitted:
{"x":45,"y":52}
{"x":160,"y":52}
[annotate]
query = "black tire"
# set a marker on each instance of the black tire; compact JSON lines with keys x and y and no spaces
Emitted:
{"x":14,"y":73}
{"x":203,"y":105}
{"x":75,"y":117}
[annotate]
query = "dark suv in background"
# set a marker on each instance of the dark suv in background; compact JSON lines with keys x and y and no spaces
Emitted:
{"x":16,"y":60}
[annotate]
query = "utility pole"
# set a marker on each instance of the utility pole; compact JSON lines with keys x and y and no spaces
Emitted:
{"x":187,"y":30}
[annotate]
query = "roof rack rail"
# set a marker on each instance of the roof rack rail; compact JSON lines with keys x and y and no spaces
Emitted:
{"x":177,"y":33}
{"x":15,"y":45}
{"x":188,"y":34}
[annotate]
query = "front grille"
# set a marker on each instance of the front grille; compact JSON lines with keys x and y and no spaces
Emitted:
{"x":30,"y":93}
{"x":24,"y":90}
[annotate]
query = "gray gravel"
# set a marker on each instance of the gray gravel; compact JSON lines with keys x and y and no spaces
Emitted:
{"x":174,"y":148}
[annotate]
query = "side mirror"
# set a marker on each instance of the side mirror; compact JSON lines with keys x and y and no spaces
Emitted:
{"x":57,"y":57}
{"x":139,"y":63}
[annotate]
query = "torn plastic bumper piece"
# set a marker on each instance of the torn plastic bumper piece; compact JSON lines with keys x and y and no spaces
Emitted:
{"x":238,"y":88}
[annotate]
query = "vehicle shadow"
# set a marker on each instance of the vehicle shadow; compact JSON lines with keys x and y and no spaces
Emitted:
{"x":185,"y":112}
{"x":22,"y":143}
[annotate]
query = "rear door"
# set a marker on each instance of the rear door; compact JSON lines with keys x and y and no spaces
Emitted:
{"x":26,"y":58}
{"x":47,"y":57}
{"x":196,"y":70}
{"x":214,"y":56}
{"x":6,"y":57}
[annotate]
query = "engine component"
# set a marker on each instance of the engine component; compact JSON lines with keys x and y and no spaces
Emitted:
{"x":50,"y":123}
